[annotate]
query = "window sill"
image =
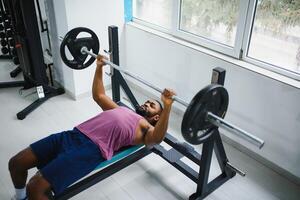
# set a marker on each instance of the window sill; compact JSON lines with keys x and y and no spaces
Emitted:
{"x":243,"y":64}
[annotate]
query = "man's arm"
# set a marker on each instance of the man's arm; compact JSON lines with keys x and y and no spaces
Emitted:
{"x":155,"y":135}
{"x":99,"y":95}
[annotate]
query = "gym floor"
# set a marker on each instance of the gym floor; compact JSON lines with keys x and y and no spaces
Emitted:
{"x":149,"y":179}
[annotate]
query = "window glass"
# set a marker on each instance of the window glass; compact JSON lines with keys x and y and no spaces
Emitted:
{"x":213,"y":19}
{"x":158,"y":12}
{"x":275,"y":35}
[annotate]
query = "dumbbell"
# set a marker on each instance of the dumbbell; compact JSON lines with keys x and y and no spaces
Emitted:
{"x":16,"y":60}
{"x":9,"y":33}
{"x":3,"y":42}
{"x":4,"y":50}
{"x":2,"y":35}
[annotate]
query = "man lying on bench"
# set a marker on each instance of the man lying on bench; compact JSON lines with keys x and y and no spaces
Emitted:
{"x":65,"y":157}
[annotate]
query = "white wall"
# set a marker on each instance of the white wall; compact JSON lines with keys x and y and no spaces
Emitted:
{"x":264,"y":107}
{"x":94,"y":14}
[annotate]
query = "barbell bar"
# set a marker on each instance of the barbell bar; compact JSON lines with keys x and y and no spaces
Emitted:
{"x":218,"y":121}
{"x":84,"y":50}
{"x":212,"y":118}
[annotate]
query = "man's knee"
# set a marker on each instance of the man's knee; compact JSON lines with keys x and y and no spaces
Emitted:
{"x":14,"y":164}
{"x":37,"y":187}
{"x":23,"y":160}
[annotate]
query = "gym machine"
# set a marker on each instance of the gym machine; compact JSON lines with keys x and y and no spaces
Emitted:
{"x":30,"y":53}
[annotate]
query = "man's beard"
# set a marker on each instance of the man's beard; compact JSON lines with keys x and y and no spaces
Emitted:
{"x":141,"y":111}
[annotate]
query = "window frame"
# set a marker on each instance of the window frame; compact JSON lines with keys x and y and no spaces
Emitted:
{"x":246,"y":45}
{"x":242,"y":40}
{"x":151,"y":25}
{"x":234,"y":51}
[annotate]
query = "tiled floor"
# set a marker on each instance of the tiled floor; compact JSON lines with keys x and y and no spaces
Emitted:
{"x":151,"y":178}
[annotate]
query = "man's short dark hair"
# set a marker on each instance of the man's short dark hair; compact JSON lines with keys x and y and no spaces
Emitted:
{"x":160,"y":105}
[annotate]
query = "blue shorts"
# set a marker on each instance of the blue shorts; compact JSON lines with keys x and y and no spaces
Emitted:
{"x":65,"y":157}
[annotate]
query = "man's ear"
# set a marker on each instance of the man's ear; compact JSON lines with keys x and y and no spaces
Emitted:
{"x":156,"y":117}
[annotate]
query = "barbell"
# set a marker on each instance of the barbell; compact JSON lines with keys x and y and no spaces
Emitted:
{"x":204,"y":113}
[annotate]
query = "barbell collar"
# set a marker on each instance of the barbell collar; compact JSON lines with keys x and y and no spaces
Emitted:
{"x":218,"y":121}
{"x":84,"y":50}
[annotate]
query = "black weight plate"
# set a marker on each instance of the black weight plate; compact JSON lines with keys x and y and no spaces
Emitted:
{"x":195,"y":127}
{"x":9,"y":33}
{"x":16,"y":60}
{"x":3,"y":42}
{"x":75,"y":45}
{"x":4,"y":50}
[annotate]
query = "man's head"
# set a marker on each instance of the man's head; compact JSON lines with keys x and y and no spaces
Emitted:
{"x":150,"y":110}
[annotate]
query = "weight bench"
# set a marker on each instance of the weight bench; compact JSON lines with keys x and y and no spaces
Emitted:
{"x":128,"y":155}
{"x":124,"y":152}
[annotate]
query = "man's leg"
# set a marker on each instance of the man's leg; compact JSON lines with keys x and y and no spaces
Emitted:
{"x":79,"y":159}
{"x":37,"y":155}
{"x":37,"y":188}
{"x":18,"y":166}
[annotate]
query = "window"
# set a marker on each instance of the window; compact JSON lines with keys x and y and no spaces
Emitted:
{"x":212,"y":19}
{"x":157,"y":12}
{"x":275,"y":37}
{"x":263,"y":32}
{"x":215,"y":24}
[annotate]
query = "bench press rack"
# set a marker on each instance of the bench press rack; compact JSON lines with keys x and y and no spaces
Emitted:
{"x":173,"y":156}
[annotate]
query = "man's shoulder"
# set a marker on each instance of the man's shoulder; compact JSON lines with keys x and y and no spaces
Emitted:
{"x":144,"y":124}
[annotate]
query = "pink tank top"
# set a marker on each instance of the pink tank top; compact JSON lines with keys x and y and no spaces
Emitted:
{"x":111,"y":129}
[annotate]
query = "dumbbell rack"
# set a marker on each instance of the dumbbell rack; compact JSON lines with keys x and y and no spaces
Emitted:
{"x":26,"y":33}
{"x":7,"y":42}
{"x":7,"y":45}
